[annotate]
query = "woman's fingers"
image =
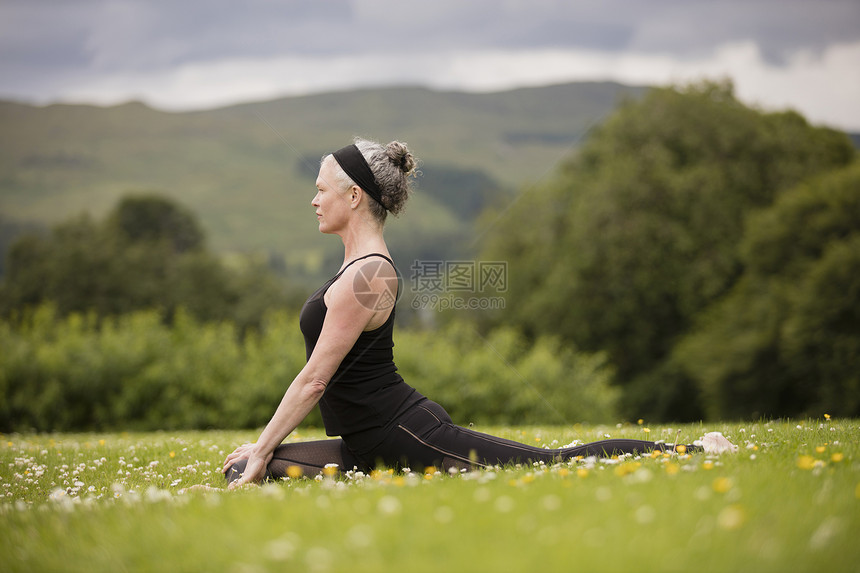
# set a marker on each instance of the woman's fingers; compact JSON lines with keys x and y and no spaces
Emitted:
{"x":240,"y":453}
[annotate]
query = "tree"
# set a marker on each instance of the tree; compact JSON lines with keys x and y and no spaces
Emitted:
{"x":638,"y":232}
{"x":151,"y":218}
{"x":786,"y":340}
{"x":148,"y":253}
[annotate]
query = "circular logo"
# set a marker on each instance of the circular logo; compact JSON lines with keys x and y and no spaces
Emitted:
{"x":367,"y":297}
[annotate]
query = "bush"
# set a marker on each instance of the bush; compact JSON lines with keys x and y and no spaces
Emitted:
{"x":135,"y":372}
{"x":501,"y":379}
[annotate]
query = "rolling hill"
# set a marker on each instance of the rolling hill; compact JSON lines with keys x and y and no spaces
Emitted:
{"x":248,"y":170}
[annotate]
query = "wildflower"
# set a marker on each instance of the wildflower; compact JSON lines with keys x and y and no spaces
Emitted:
{"x":172,"y":454}
{"x":640,"y":421}
{"x":294,"y":472}
{"x":820,"y":449}
{"x":826,"y":416}
{"x":672,"y":469}
{"x":708,"y":465}
{"x":837,"y":457}
{"x":330,"y":470}
{"x":806,"y":462}
{"x":681,"y":449}
{"x":722,"y":484}
{"x":582,"y":472}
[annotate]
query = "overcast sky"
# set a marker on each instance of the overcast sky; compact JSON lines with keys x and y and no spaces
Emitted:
{"x":194,"y":54}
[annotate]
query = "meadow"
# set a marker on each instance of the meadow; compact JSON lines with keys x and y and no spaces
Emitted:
{"x":788,"y":500}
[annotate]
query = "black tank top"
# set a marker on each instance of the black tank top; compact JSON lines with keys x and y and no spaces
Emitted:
{"x":366,"y":391}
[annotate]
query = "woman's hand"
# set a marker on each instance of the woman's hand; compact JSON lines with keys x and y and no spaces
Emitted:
{"x":255,"y":469}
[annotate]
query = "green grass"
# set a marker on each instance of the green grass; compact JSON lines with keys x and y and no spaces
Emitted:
{"x":788,"y":501}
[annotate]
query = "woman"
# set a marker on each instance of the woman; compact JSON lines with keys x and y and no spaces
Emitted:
{"x":348,"y":325}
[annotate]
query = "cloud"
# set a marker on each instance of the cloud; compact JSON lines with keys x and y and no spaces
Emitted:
{"x":822,"y":85}
{"x":188,"y":55}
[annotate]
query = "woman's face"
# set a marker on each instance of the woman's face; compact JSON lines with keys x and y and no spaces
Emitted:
{"x":331,"y":202}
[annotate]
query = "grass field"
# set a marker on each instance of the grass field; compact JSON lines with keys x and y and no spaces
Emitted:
{"x":789,"y":500}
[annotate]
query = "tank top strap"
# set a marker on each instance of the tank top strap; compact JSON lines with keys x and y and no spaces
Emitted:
{"x":349,"y":264}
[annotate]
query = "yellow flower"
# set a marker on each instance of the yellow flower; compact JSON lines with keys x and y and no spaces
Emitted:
{"x":564,"y":472}
{"x":820,"y":449}
{"x":672,"y":469}
{"x":708,"y":465}
{"x":172,"y":454}
{"x":837,"y":457}
{"x":582,"y":472}
{"x":806,"y":462}
{"x":826,"y":416}
{"x":628,"y":468}
{"x":294,"y":472}
{"x":640,"y":421}
{"x":646,"y":430}
{"x":101,"y":442}
{"x":681,"y":449}
{"x":330,"y":470}
{"x":722,"y":484}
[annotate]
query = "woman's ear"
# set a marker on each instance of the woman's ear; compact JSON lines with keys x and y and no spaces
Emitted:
{"x":355,"y":196}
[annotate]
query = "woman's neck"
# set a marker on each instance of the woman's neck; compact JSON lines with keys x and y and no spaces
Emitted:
{"x":362,"y":238}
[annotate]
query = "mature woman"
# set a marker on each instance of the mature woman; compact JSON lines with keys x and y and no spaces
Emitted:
{"x":348,"y":325}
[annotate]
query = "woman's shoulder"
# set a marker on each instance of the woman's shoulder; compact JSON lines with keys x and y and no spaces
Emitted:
{"x":371,"y":281}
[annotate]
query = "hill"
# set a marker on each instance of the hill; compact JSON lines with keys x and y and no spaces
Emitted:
{"x":248,"y":170}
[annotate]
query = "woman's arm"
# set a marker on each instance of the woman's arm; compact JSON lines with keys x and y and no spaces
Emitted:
{"x":345,"y":320}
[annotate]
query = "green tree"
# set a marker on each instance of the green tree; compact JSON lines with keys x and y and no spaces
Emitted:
{"x":152,"y":218}
{"x":148,"y":253}
{"x":638,"y":232}
{"x":786,"y":340}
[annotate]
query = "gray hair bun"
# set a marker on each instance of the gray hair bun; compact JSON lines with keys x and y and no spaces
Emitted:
{"x":401,"y":156}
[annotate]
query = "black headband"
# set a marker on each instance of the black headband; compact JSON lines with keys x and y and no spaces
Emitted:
{"x":353,"y":163}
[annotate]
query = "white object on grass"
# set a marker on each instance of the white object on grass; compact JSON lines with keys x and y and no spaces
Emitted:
{"x":715,"y":443}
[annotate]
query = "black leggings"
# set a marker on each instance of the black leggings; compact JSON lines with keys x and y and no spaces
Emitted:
{"x":426,"y":436}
